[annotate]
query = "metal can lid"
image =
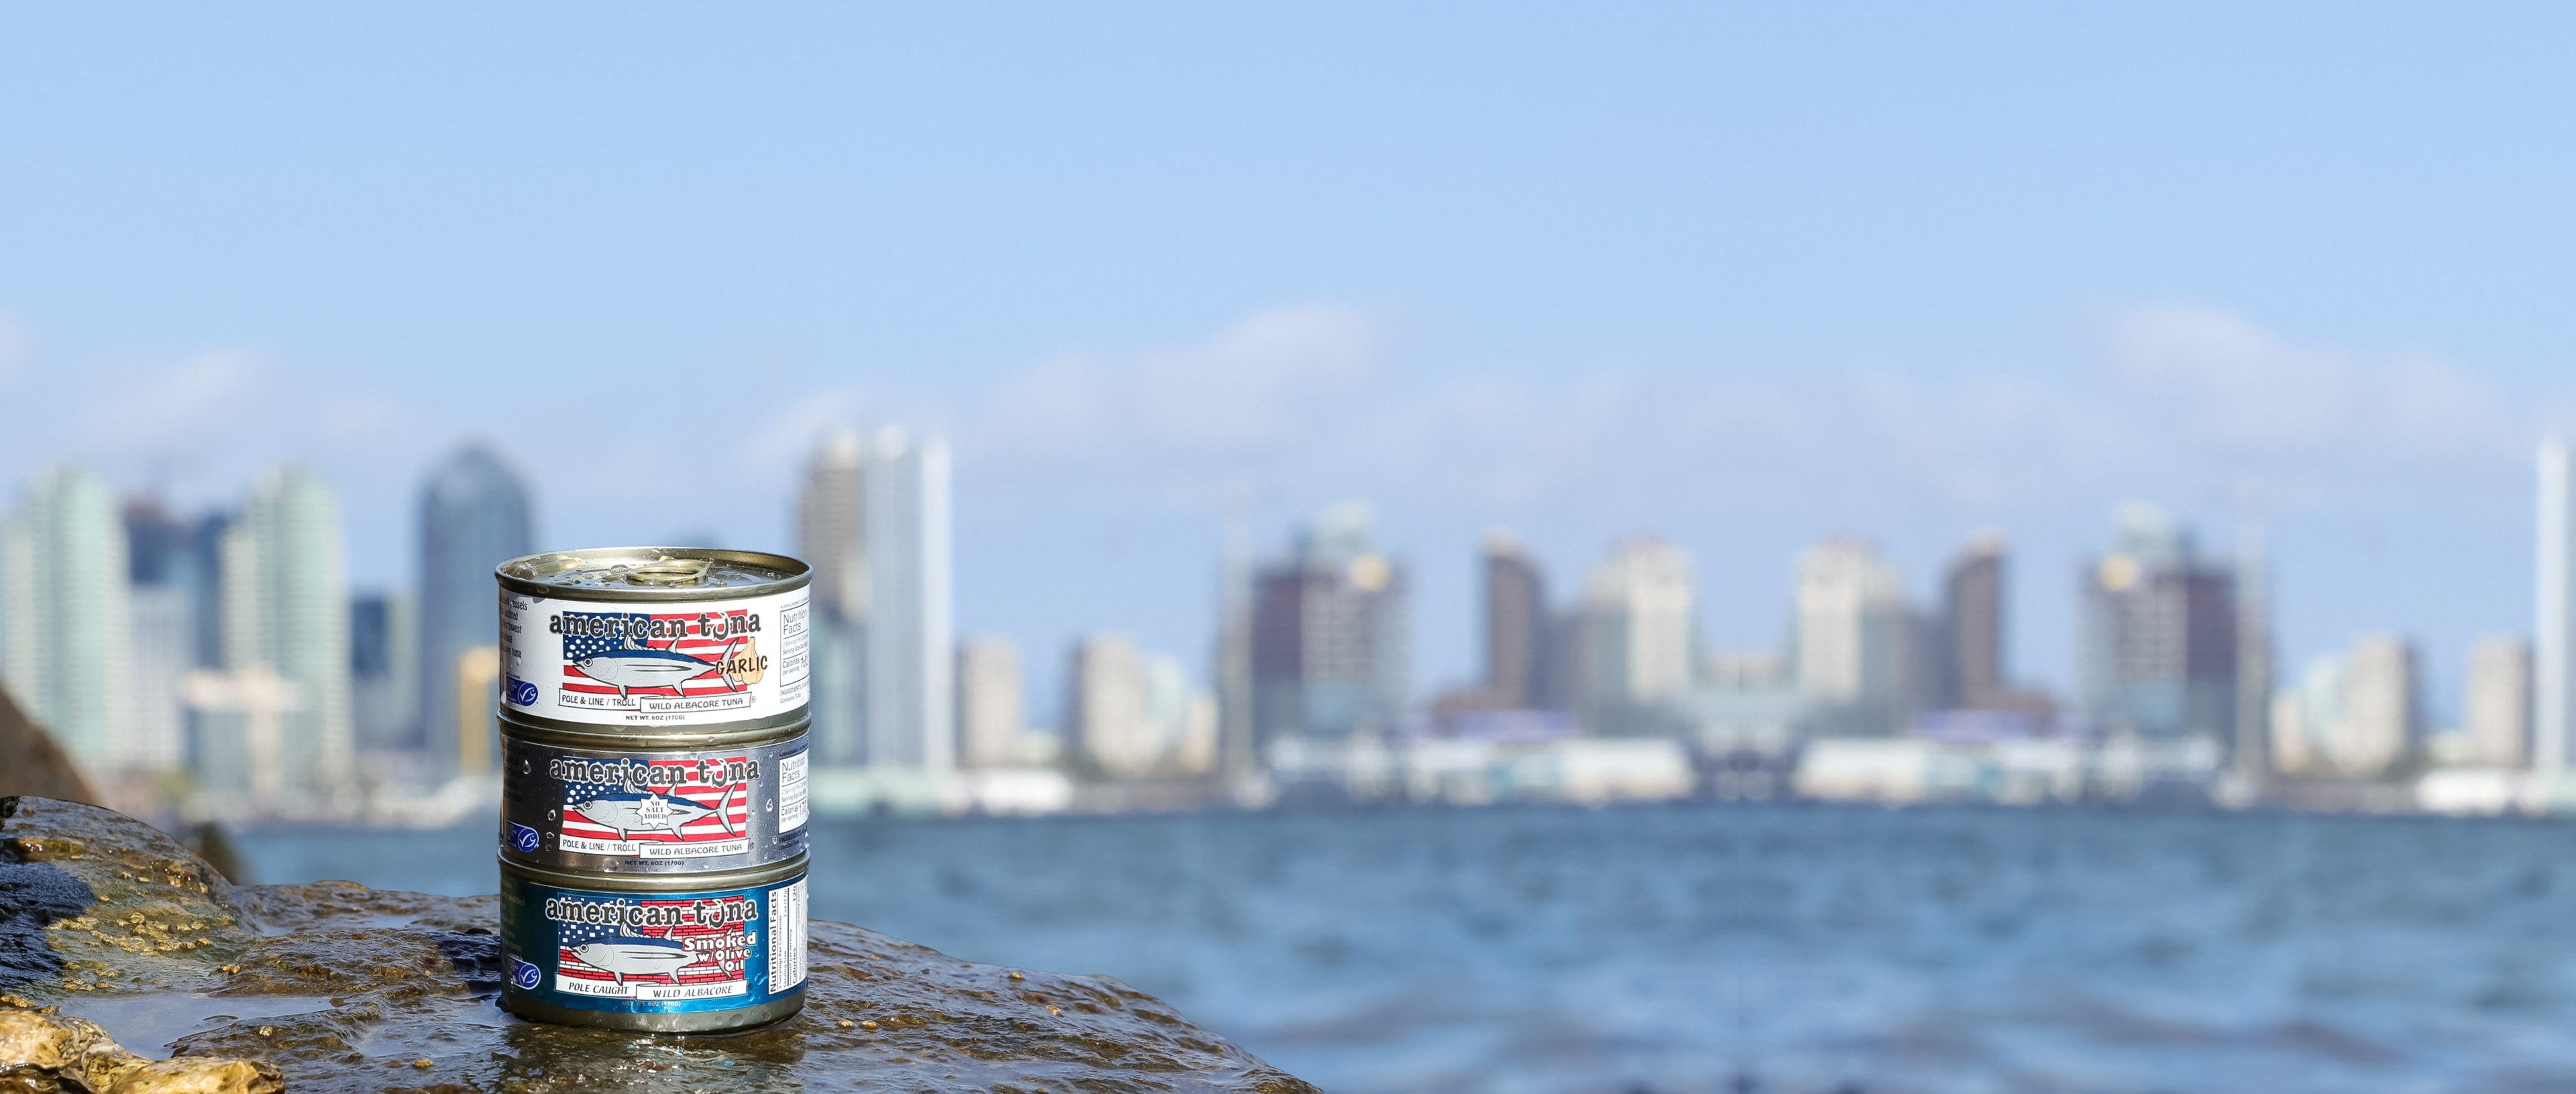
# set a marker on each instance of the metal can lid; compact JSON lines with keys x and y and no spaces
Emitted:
{"x":616,"y":738}
{"x":651,"y":885}
{"x":653,"y":574}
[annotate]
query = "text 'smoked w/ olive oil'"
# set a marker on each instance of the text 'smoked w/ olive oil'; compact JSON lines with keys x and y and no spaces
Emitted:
{"x":653,"y":832}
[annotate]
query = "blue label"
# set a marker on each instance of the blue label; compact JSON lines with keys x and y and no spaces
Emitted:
{"x":657,"y":953}
{"x":522,"y":693}
{"x":525,"y":839}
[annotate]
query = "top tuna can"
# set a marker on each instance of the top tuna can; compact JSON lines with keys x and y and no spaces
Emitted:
{"x":655,"y":639}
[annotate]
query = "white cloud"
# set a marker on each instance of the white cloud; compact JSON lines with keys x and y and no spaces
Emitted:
{"x":201,"y":396}
{"x":2236,"y":387}
{"x":1302,"y":402}
{"x":1280,"y":377}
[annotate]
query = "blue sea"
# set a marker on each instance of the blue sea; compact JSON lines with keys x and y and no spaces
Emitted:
{"x":1729,"y":948}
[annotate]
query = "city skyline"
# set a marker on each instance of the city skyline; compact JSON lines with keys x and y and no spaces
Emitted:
{"x":2444,"y":695}
{"x":295,"y":683}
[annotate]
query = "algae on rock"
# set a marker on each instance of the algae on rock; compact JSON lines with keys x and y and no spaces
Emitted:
{"x":333,"y":986}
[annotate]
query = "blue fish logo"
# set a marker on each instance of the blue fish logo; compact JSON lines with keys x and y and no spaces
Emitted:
{"x":524,"y":838}
{"x":525,"y":976}
{"x":522,"y":693}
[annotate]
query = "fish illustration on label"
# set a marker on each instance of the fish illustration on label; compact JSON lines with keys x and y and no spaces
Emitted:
{"x":618,"y":660}
{"x":682,"y":807}
{"x":646,"y":948}
{"x":635,"y":955}
{"x":629,"y":811}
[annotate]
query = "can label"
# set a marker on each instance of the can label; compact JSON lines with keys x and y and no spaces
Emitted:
{"x":662,"y":953}
{"x":724,"y":808}
{"x":682,"y":664}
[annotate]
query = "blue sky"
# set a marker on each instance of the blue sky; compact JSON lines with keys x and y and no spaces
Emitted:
{"x":1740,"y":276}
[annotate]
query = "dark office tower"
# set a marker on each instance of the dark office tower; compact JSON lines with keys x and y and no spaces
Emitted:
{"x":831,"y":535}
{"x":830,"y":525}
{"x":1515,"y":622}
{"x":473,"y":516}
{"x":206,"y":594}
{"x":2159,"y":635}
{"x":1970,"y":639}
{"x":164,"y":578}
{"x":382,"y":702}
{"x":1330,"y":648}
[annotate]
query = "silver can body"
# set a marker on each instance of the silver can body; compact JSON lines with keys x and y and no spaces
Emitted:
{"x":615,"y":803}
{"x":698,"y":953}
{"x":655,"y":639}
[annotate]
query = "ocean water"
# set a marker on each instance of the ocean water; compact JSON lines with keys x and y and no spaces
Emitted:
{"x":1704,"y":948}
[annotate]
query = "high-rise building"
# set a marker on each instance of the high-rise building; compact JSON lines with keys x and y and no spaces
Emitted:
{"x":384,"y":690}
{"x":2306,"y":716}
{"x":1854,"y":632}
{"x":831,"y":531}
{"x":1515,"y":622}
{"x":1331,"y":652}
{"x":1104,"y":706}
{"x":1237,"y":752}
{"x":68,"y":644}
{"x":286,"y":653}
{"x":164,"y":572}
{"x":1180,"y":717}
{"x":910,"y":721}
{"x":992,"y":701}
{"x":2553,"y":670}
{"x":1130,"y":713}
{"x":1969,"y":651}
{"x":206,"y":554}
{"x":2496,"y":712}
{"x":2253,"y":641}
{"x":473,"y":517}
{"x":2382,"y":714}
{"x":831,"y":524}
{"x":2159,"y":654}
{"x":1637,"y":632}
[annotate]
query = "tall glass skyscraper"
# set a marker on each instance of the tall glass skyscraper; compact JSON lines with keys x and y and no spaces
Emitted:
{"x":2553,"y":703}
{"x":167,"y":575}
{"x":910,"y":690}
{"x":473,"y":516}
{"x":63,"y":596}
{"x":831,"y":533}
{"x":286,"y":617}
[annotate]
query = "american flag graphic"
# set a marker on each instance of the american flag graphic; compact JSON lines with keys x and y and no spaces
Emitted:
{"x":719,"y":950}
{"x":696,"y":643}
{"x":723,"y":804}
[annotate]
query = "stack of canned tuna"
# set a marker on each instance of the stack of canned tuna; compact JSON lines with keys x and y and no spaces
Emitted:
{"x":653,"y":718}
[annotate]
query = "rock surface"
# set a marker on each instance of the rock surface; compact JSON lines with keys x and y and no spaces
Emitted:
{"x":334,"y":986}
{"x":30,"y":761}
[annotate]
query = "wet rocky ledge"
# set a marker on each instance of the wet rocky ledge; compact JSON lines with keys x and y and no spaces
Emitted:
{"x":127,"y":966}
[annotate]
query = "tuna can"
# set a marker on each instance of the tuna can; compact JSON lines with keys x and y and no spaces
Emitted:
{"x":654,"y":639}
{"x":687,"y":953}
{"x":666,"y":804}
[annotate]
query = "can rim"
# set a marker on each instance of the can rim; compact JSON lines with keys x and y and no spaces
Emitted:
{"x":793,"y":574}
{"x":586,"y":881}
{"x":627,"y":739}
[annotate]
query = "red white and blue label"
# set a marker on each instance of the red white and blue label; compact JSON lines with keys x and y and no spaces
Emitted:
{"x":684,"y":664}
{"x":693,"y":807}
{"x":678,"y":952}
